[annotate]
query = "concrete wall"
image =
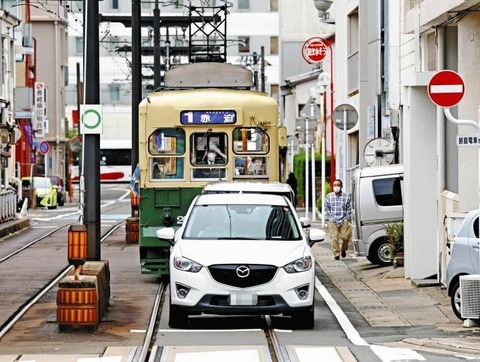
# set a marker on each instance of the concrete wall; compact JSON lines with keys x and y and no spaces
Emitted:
{"x":468,"y":108}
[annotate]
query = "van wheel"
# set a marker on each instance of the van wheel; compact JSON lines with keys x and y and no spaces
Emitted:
{"x":378,"y":253}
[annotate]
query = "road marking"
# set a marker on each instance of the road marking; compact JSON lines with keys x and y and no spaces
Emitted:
{"x":345,"y":323}
{"x":386,"y":354}
{"x":390,"y":354}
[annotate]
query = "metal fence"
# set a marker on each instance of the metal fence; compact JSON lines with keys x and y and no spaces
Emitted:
{"x":8,"y":205}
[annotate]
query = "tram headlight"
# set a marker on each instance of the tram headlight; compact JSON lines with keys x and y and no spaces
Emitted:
{"x":184,"y":264}
{"x":167,"y":218}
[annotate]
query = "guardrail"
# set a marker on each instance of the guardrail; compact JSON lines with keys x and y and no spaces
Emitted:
{"x":8,"y":205}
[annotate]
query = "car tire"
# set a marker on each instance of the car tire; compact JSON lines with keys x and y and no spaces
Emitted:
{"x":456,"y":300}
{"x":177,"y":318}
{"x":304,"y":319}
{"x":378,"y":252}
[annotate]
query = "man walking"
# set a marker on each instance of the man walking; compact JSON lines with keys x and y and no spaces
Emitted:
{"x":338,"y":210}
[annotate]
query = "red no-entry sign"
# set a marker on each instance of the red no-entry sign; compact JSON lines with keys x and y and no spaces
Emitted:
{"x":314,"y":50}
{"x":446,"y":88}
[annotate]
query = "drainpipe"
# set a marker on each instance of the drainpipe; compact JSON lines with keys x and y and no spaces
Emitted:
{"x":440,"y":147}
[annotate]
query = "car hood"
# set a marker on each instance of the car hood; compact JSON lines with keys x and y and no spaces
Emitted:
{"x":272,"y":252}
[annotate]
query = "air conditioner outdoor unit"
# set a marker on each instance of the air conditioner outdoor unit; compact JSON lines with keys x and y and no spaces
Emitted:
{"x":470,"y":291}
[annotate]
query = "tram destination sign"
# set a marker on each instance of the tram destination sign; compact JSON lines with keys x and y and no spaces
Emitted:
{"x":208,"y":117}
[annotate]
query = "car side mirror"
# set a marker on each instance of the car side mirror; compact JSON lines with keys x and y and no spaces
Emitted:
{"x":167,"y":234}
{"x":316,"y":235}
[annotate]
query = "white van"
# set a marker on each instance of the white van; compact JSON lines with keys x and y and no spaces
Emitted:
{"x":274,"y":188}
{"x":376,"y":200}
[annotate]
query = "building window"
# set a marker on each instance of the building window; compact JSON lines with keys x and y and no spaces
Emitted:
{"x":274,"y":45}
{"x":243,"y":4}
{"x":431,"y":53}
{"x":274,"y":91}
{"x":244,"y":44}
{"x":79,"y":45}
{"x":353,"y":52}
{"x":273,"y":5}
{"x":114,"y":4}
{"x":114,"y":93}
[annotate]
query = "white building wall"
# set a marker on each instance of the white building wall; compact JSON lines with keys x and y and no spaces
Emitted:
{"x":468,"y":108}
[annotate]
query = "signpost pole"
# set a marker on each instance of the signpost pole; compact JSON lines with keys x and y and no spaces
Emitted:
{"x":306,"y":168}
{"x":314,"y":202}
{"x":323,"y":123}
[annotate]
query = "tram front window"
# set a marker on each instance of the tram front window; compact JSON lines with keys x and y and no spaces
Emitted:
{"x":209,"y":155}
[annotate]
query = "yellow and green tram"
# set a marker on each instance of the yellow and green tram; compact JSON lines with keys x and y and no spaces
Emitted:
{"x":205,"y":125}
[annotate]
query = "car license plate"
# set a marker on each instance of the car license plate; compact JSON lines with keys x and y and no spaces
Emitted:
{"x":243,"y":299}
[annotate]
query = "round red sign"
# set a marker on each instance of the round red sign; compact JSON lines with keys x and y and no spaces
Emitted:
{"x":446,"y":88}
{"x":314,"y":50}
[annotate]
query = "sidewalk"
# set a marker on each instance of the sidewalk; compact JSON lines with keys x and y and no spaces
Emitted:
{"x":385,"y":298}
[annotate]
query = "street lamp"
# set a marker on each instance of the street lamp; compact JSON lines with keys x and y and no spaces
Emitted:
{"x":322,"y":83}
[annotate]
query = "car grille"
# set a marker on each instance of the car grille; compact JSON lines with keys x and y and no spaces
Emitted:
{"x":257,"y":275}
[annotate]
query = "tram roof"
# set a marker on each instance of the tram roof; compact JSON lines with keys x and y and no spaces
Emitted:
{"x":208,"y":74}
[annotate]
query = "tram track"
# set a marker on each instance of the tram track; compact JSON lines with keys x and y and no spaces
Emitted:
{"x":150,"y":352}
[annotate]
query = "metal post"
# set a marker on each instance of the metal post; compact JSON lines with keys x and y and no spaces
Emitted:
{"x":136,"y":77}
{"x":91,"y":214}
{"x":314,"y":201}
{"x":306,"y":168}
{"x":345,"y":149}
{"x":292,"y":150}
{"x":314,"y":206}
{"x":323,"y":130}
{"x":156,"y":47}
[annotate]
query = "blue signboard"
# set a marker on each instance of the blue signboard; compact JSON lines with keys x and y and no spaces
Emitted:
{"x":208,"y":117}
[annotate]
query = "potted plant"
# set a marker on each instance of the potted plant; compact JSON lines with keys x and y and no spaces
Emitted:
{"x":394,"y":235}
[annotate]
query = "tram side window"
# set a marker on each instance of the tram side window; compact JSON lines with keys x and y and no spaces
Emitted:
{"x":251,"y":166}
{"x":167,"y":146}
{"x":250,"y":145}
{"x":250,"y":140}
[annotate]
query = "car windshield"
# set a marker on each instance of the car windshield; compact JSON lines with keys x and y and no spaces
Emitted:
{"x":258,"y":222}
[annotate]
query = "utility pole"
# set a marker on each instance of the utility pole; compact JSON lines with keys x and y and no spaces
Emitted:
{"x":91,"y":162}
{"x":136,"y":76}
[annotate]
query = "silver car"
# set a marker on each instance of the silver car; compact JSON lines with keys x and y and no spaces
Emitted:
{"x":464,"y":259}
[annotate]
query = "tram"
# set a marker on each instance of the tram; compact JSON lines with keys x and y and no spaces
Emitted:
{"x":205,"y":125}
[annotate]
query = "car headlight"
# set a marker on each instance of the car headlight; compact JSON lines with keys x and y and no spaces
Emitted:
{"x":181,"y":263}
{"x":299,"y":265}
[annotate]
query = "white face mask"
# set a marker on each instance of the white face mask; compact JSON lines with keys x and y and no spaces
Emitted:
{"x":336,"y":189}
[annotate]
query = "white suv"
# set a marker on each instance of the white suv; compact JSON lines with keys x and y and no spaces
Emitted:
{"x":241,"y":256}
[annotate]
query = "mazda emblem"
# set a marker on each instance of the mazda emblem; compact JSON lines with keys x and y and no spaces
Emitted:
{"x":243,"y":271}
